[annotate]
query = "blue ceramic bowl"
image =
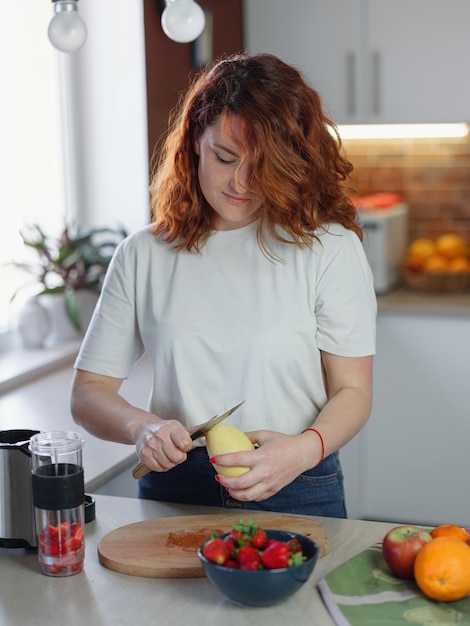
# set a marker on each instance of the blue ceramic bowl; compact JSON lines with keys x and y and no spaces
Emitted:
{"x":268,"y":586}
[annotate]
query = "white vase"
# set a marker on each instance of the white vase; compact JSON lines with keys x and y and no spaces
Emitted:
{"x":33,"y":324}
{"x":61,"y":328}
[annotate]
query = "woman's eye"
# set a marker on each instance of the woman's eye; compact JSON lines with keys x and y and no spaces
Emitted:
{"x":221,"y":160}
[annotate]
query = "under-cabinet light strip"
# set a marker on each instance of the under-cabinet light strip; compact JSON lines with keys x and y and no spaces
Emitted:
{"x":402,"y":131}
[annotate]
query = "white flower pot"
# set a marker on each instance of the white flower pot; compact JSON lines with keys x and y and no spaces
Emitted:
{"x":33,"y":324}
{"x":61,"y":328}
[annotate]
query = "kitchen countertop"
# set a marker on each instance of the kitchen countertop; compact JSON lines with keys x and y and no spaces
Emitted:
{"x":409,"y":301}
{"x":99,"y":596}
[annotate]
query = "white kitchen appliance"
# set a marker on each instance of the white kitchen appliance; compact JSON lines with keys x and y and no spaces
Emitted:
{"x":385,"y":241}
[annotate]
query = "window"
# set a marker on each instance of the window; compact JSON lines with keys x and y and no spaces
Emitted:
{"x":30,"y":147}
{"x":99,"y":96}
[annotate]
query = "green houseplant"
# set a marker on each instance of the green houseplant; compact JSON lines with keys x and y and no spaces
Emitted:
{"x":77,"y":259}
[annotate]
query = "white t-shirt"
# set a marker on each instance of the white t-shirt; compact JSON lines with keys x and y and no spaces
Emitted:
{"x":231,"y":324}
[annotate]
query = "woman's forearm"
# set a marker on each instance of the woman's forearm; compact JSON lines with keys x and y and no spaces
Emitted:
{"x":349,"y":384}
{"x":342,"y":418}
{"x":97,"y":406}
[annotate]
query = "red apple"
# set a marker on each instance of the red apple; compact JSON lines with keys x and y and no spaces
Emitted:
{"x":414,"y":264}
{"x":400,"y":547}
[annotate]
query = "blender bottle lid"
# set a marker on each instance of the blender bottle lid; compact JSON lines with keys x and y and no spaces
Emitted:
{"x":90,"y":512}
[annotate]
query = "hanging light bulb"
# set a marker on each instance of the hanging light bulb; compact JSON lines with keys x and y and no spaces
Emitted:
{"x":183,"y":20}
{"x":67,"y":31}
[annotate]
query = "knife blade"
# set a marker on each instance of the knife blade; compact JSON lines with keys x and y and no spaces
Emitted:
{"x":141,"y":469}
{"x":214,"y":421}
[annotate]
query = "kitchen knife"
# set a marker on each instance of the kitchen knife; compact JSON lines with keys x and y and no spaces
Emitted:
{"x":214,"y":421}
{"x":141,"y":469}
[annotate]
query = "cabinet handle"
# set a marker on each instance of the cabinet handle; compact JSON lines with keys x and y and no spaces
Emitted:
{"x":350,"y":84}
{"x":375,"y":83}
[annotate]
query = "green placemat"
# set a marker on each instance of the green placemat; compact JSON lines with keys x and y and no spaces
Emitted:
{"x":363,"y":592}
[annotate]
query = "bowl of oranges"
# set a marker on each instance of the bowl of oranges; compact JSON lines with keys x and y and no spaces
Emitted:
{"x":438,"y":265}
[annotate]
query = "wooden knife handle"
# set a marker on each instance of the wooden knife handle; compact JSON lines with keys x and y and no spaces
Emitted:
{"x":140,"y":470}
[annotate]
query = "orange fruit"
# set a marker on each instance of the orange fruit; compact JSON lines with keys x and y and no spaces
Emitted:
{"x":442,"y":569}
{"x":459,"y":265}
{"x":451,"y":245}
{"x":436,"y":263}
{"x":450,"y":530}
{"x":421,"y":248}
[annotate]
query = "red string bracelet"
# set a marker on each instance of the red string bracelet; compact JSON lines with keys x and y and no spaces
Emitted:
{"x":322,"y":443}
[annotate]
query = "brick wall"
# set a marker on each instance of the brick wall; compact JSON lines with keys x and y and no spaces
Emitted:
{"x":433,"y":175}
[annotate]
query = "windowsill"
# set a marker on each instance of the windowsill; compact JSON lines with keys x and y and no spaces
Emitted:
{"x":20,"y":366}
{"x":35,"y":387}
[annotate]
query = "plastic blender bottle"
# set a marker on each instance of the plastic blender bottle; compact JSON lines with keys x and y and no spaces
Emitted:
{"x":58,"y":497}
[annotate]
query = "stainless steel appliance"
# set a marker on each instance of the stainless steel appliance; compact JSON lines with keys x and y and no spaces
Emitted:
{"x":17,"y":525}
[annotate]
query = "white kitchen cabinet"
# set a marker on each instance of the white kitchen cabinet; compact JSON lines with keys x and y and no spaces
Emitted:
{"x":319,"y":37}
{"x":411,"y":462}
{"x":418,"y":50}
{"x":372,"y":61}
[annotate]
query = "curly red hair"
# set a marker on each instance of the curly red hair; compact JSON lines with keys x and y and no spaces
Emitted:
{"x":294,"y":150}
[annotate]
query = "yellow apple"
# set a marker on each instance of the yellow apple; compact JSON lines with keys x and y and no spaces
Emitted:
{"x":223,"y":439}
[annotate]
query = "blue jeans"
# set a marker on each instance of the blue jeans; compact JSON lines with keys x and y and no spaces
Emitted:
{"x":318,"y":491}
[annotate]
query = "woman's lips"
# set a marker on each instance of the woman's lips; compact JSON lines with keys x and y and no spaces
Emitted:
{"x":234,"y":199}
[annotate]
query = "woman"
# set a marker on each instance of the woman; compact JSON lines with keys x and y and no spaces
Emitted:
{"x":250,"y":284}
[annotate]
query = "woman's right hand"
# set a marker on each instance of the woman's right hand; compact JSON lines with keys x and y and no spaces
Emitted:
{"x":97,"y":406}
{"x":163,"y":444}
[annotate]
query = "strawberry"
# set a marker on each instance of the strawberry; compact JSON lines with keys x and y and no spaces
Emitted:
{"x":216,"y":550}
{"x":248,"y":534}
{"x":296,"y":558}
{"x":294,"y":546}
{"x":51,"y":533}
{"x":77,"y":532}
{"x":279,"y":554}
{"x":48,"y":547}
{"x":239,"y":537}
{"x":71,"y":545}
{"x":232,"y":544}
{"x":248,"y":558}
{"x":259,"y":540}
{"x":247,"y":547}
{"x":276,"y":555}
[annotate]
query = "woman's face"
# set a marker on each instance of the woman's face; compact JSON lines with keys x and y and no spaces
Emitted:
{"x":234,"y":205}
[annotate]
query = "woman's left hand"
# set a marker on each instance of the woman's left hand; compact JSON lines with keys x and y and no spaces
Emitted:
{"x":275,"y":463}
{"x":280,"y":458}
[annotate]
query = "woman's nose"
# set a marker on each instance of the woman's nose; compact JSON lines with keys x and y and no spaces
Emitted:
{"x":240,"y":180}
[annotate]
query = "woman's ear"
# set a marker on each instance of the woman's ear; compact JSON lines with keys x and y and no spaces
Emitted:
{"x":196,"y":146}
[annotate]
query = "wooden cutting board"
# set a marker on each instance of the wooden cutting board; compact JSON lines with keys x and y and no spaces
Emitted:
{"x":167,"y":547}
